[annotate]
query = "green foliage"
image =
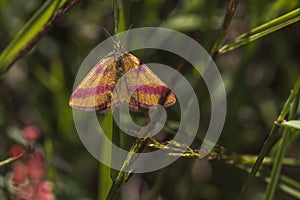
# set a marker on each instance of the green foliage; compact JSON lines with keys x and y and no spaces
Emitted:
{"x":28,"y":32}
{"x":258,"y":77}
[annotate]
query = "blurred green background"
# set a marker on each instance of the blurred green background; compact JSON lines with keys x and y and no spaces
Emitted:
{"x":258,"y":79}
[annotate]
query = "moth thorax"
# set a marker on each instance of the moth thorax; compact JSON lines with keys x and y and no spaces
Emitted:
{"x":120,"y":66}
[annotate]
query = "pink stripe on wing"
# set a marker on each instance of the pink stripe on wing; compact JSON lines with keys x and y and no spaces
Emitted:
{"x":150,"y":89}
{"x":86,"y":92}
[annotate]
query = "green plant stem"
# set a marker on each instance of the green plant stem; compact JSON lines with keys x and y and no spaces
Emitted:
{"x":229,"y":13}
{"x":104,"y":181}
{"x":116,"y":14}
{"x":275,"y":174}
{"x":158,"y":183}
{"x":9,"y":160}
{"x":123,"y":176}
{"x":268,"y":143}
{"x":116,"y":139}
{"x":104,"y":177}
{"x":115,"y":129}
{"x":49,"y":159}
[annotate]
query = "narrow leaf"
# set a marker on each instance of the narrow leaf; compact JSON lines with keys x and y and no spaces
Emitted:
{"x":291,"y":124}
{"x":286,"y":184}
{"x":280,"y":153}
{"x":27,"y":33}
{"x":269,"y":141}
{"x":263,"y":30}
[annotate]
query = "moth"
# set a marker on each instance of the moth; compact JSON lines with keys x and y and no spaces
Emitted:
{"x":95,"y":92}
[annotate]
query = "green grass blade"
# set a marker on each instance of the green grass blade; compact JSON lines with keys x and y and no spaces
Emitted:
{"x":263,"y":30}
{"x":275,"y":173}
{"x":28,"y":32}
{"x":122,"y":22}
{"x":269,"y":141}
{"x":285,"y":184}
{"x":104,"y":178}
{"x":249,"y":160}
{"x":289,"y":186}
{"x":9,"y":160}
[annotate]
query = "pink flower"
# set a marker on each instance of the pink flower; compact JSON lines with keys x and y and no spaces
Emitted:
{"x":16,"y":150}
{"x":31,"y":133}
{"x":36,"y":168}
{"x":19,"y":172}
{"x":29,"y":173}
{"x":44,"y":191}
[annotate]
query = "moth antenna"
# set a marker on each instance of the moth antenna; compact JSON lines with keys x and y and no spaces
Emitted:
{"x":125,"y":36}
{"x":109,"y":35}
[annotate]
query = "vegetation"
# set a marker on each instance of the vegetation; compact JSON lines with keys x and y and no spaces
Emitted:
{"x":255,"y":45}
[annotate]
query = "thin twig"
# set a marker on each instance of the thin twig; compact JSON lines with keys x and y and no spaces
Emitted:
{"x":230,"y":11}
{"x":9,"y":160}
